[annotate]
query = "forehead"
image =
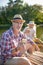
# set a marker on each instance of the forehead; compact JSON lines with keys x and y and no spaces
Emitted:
{"x":31,"y":24}
{"x":18,"y":20}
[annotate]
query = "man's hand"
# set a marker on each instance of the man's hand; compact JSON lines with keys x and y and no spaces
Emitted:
{"x":30,"y":48}
{"x":37,"y":48}
{"x":21,"y":47}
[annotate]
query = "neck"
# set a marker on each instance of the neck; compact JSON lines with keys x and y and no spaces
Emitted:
{"x":16,"y":32}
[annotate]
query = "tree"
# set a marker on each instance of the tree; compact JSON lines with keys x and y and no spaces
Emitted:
{"x":18,"y":1}
{"x":28,"y":12}
{"x":10,"y":4}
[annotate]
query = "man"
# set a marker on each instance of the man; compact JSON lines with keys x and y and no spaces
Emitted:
{"x":32,"y":28}
{"x":30,"y":32}
{"x":11,"y":45}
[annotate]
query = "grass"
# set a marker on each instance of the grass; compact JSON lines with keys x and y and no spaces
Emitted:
{"x":40,"y":32}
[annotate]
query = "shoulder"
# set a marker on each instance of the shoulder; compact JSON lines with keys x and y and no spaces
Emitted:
{"x":22,"y":35}
{"x":6,"y":34}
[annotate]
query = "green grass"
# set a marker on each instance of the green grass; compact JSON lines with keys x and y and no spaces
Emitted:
{"x":2,"y":30}
{"x":40,"y":32}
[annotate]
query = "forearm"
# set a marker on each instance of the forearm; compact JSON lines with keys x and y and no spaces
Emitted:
{"x":16,"y":52}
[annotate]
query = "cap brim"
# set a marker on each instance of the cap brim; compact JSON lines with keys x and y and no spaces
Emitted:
{"x":28,"y":24}
{"x":16,"y":19}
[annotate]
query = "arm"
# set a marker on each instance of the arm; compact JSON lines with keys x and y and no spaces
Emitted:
{"x":32,"y":46}
{"x":6,"y":47}
{"x":0,"y":55}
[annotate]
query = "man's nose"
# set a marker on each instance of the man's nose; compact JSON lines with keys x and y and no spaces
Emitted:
{"x":19,"y":24}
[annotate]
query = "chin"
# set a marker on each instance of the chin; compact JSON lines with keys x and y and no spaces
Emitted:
{"x":18,"y":30}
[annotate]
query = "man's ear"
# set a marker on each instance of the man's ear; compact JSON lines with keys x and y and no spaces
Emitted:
{"x":11,"y":20}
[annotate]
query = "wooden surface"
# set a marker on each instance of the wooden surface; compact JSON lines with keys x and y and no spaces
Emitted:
{"x":36,"y":58}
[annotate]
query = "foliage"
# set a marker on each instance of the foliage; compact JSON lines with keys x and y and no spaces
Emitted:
{"x":17,"y":7}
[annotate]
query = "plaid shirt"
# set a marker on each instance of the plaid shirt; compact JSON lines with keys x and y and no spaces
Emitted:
{"x":10,"y":41}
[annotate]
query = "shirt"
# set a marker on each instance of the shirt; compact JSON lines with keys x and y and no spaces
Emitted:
{"x":32,"y":33}
{"x":10,"y":41}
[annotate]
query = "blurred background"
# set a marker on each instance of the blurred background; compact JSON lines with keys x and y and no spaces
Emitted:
{"x":30,"y":10}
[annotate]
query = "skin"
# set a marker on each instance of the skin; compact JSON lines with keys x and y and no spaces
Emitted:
{"x":31,"y":25}
{"x":17,"y":25}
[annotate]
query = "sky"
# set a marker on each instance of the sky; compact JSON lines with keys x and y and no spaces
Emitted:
{"x":30,"y":2}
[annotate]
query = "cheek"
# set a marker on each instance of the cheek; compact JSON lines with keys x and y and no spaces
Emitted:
{"x":32,"y":26}
{"x":21,"y":25}
{"x":13,"y":24}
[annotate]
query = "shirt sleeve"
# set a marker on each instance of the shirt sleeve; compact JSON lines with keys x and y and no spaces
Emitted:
{"x":29,"y":40}
{"x":0,"y":51}
{"x":6,"y":46}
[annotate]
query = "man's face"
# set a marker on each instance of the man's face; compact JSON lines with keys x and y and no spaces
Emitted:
{"x":31,"y":25}
{"x":17,"y":24}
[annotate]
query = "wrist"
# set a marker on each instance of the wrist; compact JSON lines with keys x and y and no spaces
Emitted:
{"x":19,"y":54}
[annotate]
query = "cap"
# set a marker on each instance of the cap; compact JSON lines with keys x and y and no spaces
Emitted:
{"x":31,"y":22}
{"x":18,"y":16}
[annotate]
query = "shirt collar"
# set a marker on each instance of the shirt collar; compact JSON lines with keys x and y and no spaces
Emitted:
{"x":12,"y":34}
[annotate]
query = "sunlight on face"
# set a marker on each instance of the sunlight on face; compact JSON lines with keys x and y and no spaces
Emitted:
{"x":31,"y":25}
{"x":17,"y":24}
